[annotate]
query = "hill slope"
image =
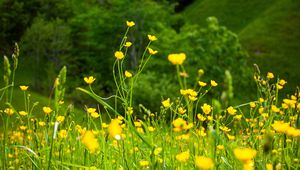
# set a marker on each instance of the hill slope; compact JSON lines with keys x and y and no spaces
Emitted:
{"x":268,"y":29}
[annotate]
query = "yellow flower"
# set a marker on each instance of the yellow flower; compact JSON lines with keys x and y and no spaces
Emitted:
{"x":178,"y":124}
{"x":23,"y":113}
{"x":129,"y":111}
{"x":275,"y":109}
{"x":225,"y":128}
{"x":130,"y":23}
{"x":95,"y":115}
{"x":238,"y":117}
{"x":220,"y":147}
{"x":62,"y":134}
{"x":89,"y":80}
{"x":252,"y":104}
{"x":230,"y":137}
{"x":231,"y":110}
{"x":89,"y":140}
{"x":152,"y":38}
{"x":157,"y":151}
{"x":270,"y":75}
{"x":41,"y":123}
{"x":177,"y":59}
{"x":244,"y":154}
{"x":213,"y":83}
{"x":181,"y":110}
{"x":204,"y":162}
{"x":144,"y":163}
{"x":201,"y":117}
{"x":60,"y":119}
{"x":23,"y":88}
{"x":91,"y":110}
{"x":128,"y":44}
{"x":282,"y":82}
{"x":269,"y":167}
{"x":47,"y":110}
{"x":151,"y":51}
{"x":183,"y":156}
{"x":151,"y":129}
{"x":166,"y":103}
{"x":280,"y":126}
{"x":206,"y":108}
{"x":202,"y":84}
{"x":9,"y":111}
{"x":128,"y":74}
{"x":23,"y":127}
{"x":119,"y":55}
{"x":114,"y":129}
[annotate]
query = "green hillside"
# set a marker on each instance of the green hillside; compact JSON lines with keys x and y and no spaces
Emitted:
{"x":269,"y":30}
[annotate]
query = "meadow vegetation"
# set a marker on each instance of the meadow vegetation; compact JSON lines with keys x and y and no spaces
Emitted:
{"x":193,"y":127}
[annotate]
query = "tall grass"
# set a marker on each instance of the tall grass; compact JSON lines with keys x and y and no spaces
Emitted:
{"x":186,"y":134}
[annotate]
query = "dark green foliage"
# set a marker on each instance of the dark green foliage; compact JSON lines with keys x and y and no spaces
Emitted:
{"x":83,"y":35}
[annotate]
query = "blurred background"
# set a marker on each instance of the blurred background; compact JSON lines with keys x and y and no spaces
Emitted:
{"x":217,"y":36}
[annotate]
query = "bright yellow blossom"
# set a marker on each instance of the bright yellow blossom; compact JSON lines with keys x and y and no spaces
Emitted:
{"x":177,"y":59}
{"x":166,"y":103}
{"x":181,"y":110}
{"x":202,"y":84}
{"x":23,"y":88}
{"x":151,"y":51}
{"x":130,"y":23}
{"x":152,"y":37}
{"x":23,"y":113}
{"x":114,"y":129}
{"x":270,"y":75}
{"x":213,"y":83}
{"x":89,"y":80}
{"x":204,"y":162}
{"x":119,"y":55}
{"x":90,"y":141}
{"x":231,"y":110}
{"x":62,"y":134}
{"x":128,"y":44}
{"x":128,"y":74}
{"x":183,"y":156}
{"x":60,"y":119}
{"x":244,"y":154}
{"x":9,"y":111}
{"x":144,"y":163}
{"x":47,"y":110}
{"x":206,"y":108}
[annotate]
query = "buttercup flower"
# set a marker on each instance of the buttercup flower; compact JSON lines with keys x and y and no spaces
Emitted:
{"x":213,"y":83}
{"x":152,"y":38}
{"x":166,"y":103}
{"x":204,"y":162}
{"x":177,"y":59}
{"x":23,"y":88}
{"x":128,"y":44}
{"x":130,"y":23}
{"x":206,"y":108}
{"x":119,"y":55}
{"x":128,"y":74}
{"x":151,"y":51}
{"x":89,"y":80}
{"x":47,"y":110}
{"x":23,"y":113}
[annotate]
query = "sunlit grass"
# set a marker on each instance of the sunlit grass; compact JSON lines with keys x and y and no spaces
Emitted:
{"x":187,"y":133}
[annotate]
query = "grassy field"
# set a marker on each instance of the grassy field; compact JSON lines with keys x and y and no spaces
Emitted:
{"x":267,"y":29}
{"x":187,"y":132}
